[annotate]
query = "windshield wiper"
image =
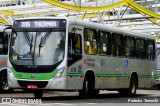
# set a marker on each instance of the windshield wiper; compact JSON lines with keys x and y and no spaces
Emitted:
{"x":29,"y":41}
{"x":43,"y":40}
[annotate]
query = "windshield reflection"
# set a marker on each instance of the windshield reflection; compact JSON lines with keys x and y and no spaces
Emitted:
{"x":37,"y":48}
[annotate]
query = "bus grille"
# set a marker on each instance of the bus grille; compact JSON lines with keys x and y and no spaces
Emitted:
{"x":40,"y":84}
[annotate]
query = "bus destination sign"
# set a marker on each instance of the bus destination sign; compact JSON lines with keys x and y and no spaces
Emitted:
{"x":39,"y":23}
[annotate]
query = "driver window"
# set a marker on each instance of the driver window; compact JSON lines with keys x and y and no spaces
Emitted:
{"x":75,"y":44}
{"x":74,"y":48}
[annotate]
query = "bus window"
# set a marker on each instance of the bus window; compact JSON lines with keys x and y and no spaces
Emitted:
{"x":150,"y":50}
{"x":104,"y":43}
{"x":90,"y":41}
{"x":158,"y":55}
{"x":3,"y":44}
{"x":74,"y":48}
{"x":140,"y":48}
{"x":117,"y":45}
{"x":129,"y":47}
{"x":75,"y":43}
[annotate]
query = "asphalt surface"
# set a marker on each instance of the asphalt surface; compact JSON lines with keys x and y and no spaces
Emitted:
{"x":105,"y":98}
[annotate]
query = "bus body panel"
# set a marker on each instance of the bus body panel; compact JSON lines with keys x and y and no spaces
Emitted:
{"x":158,"y":77}
{"x":4,"y":42}
{"x":115,"y":72}
{"x":110,"y":72}
{"x":3,"y":61}
{"x":76,"y":70}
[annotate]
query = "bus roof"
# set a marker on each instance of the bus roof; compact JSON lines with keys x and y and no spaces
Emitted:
{"x":108,"y":28}
{"x":103,"y":27}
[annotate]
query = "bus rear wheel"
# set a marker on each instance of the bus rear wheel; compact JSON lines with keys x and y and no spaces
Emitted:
{"x":131,"y":91}
{"x":158,"y":86}
{"x":133,"y":86}
{"x":38,"y":94}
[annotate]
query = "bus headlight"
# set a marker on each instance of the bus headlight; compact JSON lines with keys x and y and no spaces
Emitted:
{"x":59,"y":73}
{"x":10,"y":73}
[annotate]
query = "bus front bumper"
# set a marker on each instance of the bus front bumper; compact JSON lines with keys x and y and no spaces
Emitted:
{"x":59,"y":83}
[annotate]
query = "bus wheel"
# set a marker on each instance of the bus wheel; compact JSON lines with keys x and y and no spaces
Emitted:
{"x":84,"y":93}
{"x":38,"y":94}
{"x":158,"y":86}
{"x":131,"y":91}
{"x":88,"y":88}
{"x":133,"y":86}
{"x":95,"y":92}
{"x":3,"y":83}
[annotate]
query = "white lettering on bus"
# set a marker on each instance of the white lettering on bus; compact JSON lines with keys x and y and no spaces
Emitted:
{"x":25,"y":24}
{"x":45,"y":23}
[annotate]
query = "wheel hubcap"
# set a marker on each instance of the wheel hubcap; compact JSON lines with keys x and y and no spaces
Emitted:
{"x":86,"y":86}
{"x":133,"y":88}
{"x":4,"y":84}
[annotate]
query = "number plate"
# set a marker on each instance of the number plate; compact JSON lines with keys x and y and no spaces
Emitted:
{"x":30,"y":86}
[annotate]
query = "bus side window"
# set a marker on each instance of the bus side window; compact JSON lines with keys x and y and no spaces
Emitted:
{"x":140,"y":48}
{"x":117,"y":45}
{"x":74,"y":48}
{"x":74,"y":44}
{"x":150,"y":50}
{"x":90,"y":41}
{"x":77,"y":44}
{"x":129,"y":47}
{"x":3,"y":44}
{"x":104,"y":43}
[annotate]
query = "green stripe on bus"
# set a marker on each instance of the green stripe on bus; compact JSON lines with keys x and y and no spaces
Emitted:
{"x":75,"y":74}
{"x":112,"y":75}
{"x":100,"y":75}
{"x":158,"y":76}
{"x":147,"y":76}
{"x":37,"y":76}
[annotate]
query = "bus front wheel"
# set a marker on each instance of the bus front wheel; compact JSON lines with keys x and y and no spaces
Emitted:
{"x":88,"y":88}
{"x":84,"y":92}
{"x":3,"y":83}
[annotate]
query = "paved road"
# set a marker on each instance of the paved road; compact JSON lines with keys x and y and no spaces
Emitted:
{"x":111,"y":98}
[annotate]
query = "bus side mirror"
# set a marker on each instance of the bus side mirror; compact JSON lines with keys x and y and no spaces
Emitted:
{"x":5,"y":30}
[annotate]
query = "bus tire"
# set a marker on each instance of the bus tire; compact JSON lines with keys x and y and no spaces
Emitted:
{"x":158,"y":86}
{"x":84,"y":92}
{"x":38,"y":94}
{"x":131,"y":91}
{"x":88,"y":88}
{"x":133,"y":86}
{"x":3,"y":83}
{"x":95,"y":93}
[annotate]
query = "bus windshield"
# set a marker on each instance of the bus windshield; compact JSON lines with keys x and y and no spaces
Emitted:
{"x":37,"y":48}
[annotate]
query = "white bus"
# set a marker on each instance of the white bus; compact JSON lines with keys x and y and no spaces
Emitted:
{"x":158,"y":65}
{"x":4,"y":40}
{"x":52,"y":53}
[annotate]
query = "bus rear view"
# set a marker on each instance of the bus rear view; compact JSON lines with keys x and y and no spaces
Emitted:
{"x":36,"y":54}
